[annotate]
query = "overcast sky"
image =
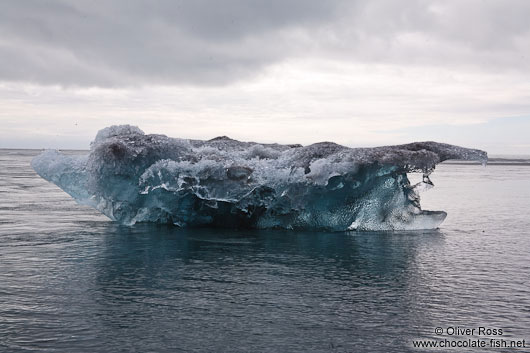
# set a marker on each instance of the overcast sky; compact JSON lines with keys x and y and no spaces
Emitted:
{"x":360,"y":73}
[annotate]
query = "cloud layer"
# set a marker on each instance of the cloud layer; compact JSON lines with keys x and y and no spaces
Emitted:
{"x":125,"y":42}
{"x":211,"y":42}
{"x":355,"y":72}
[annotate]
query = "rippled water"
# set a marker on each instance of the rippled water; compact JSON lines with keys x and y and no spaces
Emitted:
{"x":72,"y":281}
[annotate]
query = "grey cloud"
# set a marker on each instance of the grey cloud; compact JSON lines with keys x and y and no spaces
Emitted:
{"x":482,"y":34}
{"x":129,"y":42}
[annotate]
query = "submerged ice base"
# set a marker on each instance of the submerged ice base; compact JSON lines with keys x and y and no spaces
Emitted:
{"x":132,"y":177}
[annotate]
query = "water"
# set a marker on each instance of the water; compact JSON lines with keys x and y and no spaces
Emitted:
{"x":72,"y":281}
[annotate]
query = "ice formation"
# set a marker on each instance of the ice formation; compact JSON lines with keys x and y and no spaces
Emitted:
{"x":133,"y":177}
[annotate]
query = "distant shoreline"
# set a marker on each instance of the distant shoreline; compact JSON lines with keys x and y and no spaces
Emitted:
{"x":493,"y":161}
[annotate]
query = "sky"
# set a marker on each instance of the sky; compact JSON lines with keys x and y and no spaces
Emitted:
{"x":359,"y":73}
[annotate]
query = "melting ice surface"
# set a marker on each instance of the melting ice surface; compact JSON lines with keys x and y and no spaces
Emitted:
{"x":133,"y":177}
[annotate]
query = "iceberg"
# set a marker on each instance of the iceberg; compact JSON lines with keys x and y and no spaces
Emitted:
{"x":133,"y":177}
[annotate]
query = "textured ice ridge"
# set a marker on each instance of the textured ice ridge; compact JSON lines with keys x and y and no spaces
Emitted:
{"x":133,"y":177}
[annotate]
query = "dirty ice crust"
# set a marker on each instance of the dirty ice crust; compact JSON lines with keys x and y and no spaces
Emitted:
{"x":132,"y":177}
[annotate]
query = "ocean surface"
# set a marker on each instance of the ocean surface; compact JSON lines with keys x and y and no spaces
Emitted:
{"x":73,"y":281}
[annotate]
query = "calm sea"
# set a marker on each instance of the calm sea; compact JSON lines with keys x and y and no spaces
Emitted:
{"x":72,"y":281}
